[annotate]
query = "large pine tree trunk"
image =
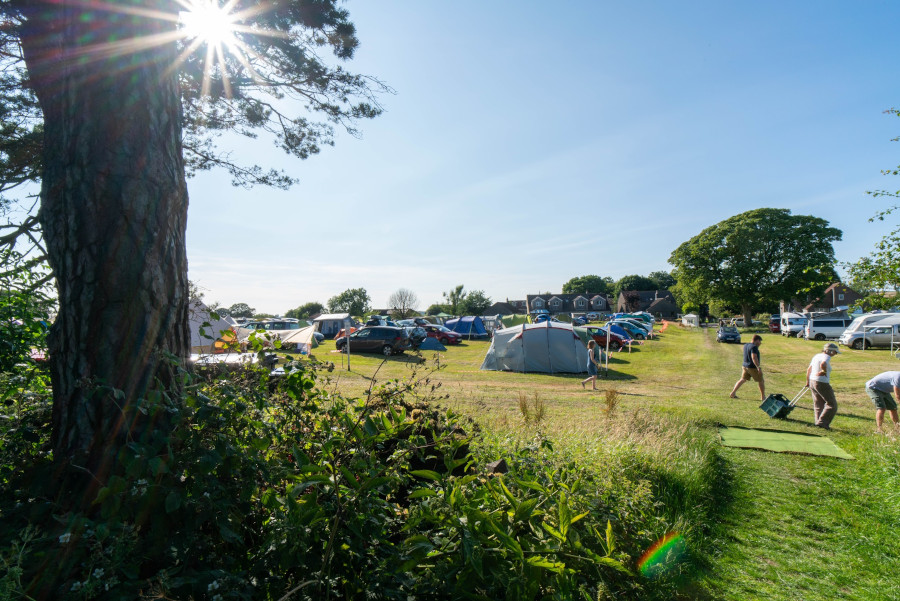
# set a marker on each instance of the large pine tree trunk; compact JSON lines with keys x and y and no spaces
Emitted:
{"x":113,"y":212}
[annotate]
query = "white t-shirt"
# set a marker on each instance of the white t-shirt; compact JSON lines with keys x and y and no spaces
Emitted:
{"x":818,"y":361}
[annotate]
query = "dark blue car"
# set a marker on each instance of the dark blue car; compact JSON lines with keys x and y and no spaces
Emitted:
{"x":728,"y":334}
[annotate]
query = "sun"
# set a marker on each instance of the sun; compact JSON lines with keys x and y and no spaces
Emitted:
{"x":206,"y":21}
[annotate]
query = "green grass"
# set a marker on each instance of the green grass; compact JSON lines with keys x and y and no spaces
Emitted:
{"x":773,"y":526}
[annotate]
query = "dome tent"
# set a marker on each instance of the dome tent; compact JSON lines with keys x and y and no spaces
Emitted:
{"x":470,"y":326}
{"x":543,"y":348}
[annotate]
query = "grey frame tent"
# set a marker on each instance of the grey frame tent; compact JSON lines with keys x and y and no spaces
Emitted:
{"x":542,"y":348}
{"x":330,"y":323}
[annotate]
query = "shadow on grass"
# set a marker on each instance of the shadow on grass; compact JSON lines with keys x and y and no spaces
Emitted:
{"x":708,"y":499}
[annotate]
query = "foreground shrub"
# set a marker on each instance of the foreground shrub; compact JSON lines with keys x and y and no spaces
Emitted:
{"x":280,"y":490}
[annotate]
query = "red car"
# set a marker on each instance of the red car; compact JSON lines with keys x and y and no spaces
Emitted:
{"x":616,"y":342}
{"x":443,"y":334}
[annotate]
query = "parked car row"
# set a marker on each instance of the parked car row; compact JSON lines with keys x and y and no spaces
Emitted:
{"x":860,"y":332}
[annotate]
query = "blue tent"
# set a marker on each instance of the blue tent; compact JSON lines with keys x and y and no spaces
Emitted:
{"x":470,"y":326}
{"x":431,"y":344}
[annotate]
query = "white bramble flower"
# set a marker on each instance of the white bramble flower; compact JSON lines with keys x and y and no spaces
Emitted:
{"x":98,"y":573}
{"x":217,"y":598}
{"x":213,"y":586}
{"x":64,"y":538}
{"x":76,"y":586}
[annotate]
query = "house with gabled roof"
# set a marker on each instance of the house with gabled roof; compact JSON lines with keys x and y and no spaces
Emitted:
{"x":584,"y":302}
{"x":655,"y":302}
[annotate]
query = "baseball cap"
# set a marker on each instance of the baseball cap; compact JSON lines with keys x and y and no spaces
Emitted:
{"x":830,"y":346}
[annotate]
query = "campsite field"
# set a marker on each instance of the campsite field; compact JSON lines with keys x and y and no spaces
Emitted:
{"x":779,"y":526}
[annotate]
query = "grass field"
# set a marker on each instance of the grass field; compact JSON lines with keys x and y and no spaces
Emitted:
{"x":778,"y":526}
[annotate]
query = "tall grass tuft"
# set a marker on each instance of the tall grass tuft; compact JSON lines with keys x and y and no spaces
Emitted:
{"x":534,"y":414}
{"x":610,"y":402}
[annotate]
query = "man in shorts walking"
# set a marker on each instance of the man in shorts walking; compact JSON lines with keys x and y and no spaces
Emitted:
{"x":751,"y":368}
{"x":879,"y":390}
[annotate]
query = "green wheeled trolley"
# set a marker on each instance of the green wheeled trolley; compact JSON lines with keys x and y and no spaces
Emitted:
{"x":778,"y":405}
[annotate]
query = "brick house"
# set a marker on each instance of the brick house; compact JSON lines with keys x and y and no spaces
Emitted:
{"x":836,"y":295}
{"x":585,"y":302}
{"x":655,"y":302}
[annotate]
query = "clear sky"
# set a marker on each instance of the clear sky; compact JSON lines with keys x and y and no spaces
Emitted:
{"x":531,"y":142}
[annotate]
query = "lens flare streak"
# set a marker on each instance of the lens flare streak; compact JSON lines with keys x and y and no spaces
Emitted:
{"x":662,"y":555}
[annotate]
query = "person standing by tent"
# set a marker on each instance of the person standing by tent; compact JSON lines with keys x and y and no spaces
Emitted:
{"x":592,"y":365}
{"x":817,"y":380}
{"x":751,"y":368}
{"x":879,"y":390}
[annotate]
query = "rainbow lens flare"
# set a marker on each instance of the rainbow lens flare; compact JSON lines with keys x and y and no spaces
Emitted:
{"x":662,"y":555}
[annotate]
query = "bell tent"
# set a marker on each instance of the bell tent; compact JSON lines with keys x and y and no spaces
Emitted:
{"x":208,"y":332}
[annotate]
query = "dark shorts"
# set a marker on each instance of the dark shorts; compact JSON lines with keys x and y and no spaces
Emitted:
{"x":751,"y":373}
{"x":592,"y":369}
{"x":882,"y":400}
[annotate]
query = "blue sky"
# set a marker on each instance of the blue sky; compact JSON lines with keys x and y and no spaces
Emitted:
{"x":529,"y":143}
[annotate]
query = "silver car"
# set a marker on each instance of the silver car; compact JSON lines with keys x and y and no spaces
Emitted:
{"x":878,"y":336}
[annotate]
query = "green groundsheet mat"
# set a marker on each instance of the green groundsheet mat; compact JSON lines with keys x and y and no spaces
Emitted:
{"x":780,"y":441}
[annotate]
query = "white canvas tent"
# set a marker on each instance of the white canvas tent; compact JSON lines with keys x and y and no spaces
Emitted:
{"x":207,"y":332}
{"x":330,"y":323}
{"x":546,"y":347}
{"x":304,"y":339}
{"x":691,"y":320}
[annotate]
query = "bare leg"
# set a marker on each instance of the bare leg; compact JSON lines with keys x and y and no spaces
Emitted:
{"x":894,"y":418}
{"x":737,"y":385}
{"x":879,"y":417}
{"x":762,"y":390}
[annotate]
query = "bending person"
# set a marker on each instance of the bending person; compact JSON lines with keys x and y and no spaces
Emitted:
{"x":879,"y":390}
{"x":818,"y":379}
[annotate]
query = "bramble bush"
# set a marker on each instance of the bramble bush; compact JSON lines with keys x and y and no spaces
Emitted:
{"x":274,"y":488}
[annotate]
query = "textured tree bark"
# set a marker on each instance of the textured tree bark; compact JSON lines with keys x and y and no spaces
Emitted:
{"x":113,"y":212}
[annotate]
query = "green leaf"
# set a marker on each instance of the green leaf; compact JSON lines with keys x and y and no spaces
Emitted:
{"x":610,"y":538}
{"x":375,"y":482}
{"x":532,"y":485}
{"x":553,"y":531}
{"x":173,"y":501}
{"x":524,"y":510}
{"x":509,"y":496}
{"x":422,"y":492}
{"x":349,"y":477}
{"x":542,"y":562}
{"x":102,"y":494}
{"x":427,"y":474}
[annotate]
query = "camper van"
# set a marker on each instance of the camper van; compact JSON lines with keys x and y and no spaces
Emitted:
{"x":868,"y":319}
{"x":882,"y":332}
{"x":826,"y":327}
{"x":792,"y":324}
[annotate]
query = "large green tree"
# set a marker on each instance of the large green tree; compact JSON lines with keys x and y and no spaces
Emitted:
{"x":241,"y":310}
{"x":305,"y":310}
{"x":758,"y":257}
{"x":633,"y":282}
{"x":354,"y":301}
{"x":454,"y":298}
{"x":880,"y":271}
{"x":475,"y":303}
{"x":663,"y":279}
{"x":124,"y":103}
{"x":591,"y":284}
